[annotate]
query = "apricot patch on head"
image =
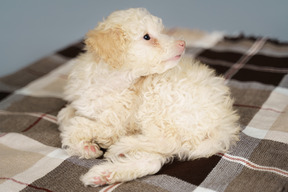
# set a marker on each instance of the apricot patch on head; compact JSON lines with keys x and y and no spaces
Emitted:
{"x":155,"y":42}
{"x":109,"y":45}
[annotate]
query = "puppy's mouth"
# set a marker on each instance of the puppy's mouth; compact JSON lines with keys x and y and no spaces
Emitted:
{"x":175,"y":58}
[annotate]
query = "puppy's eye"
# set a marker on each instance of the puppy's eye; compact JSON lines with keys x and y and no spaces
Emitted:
{"x":146,"y":37}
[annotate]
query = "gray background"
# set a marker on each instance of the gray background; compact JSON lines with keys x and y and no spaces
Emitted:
{"x":31,"y":29}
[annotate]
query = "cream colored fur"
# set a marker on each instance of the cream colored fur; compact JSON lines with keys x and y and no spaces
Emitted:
{"x":136,"y":98}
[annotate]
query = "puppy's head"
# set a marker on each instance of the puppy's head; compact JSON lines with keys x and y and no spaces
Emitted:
{"x":133,"y":40}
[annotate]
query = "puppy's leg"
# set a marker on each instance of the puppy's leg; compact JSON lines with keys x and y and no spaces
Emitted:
{"x":131,"y":145}
{"x":78,"y":138}
{"x":124,"y":169}
{"x":216,"y":144}
{"x":73,"y":140}
{"x":82,"y":137}
{"x":129,"y":158}
{"x":64,"y":116}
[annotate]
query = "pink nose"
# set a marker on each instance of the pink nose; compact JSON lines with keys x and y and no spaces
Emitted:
{"x":181,"y":43}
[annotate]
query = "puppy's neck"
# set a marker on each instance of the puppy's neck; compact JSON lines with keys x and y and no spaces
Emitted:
{"x":113,"y":79}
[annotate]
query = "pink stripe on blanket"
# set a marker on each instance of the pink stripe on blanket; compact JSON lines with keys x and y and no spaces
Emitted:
{"x":47,"y":117}
{"x":254,"y":166}
{"x":243,"y":60}
{"x":33,"y":124}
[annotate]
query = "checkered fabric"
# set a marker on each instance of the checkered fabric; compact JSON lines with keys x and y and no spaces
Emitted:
{"x":256,"y":71}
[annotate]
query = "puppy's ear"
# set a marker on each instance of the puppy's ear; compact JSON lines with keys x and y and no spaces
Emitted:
{"x":110,"y":45}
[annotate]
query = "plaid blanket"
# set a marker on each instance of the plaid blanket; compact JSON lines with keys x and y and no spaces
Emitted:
{"x":256,"y":70}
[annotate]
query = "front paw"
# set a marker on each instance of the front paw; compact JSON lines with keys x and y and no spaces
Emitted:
{"x":85,"y":150}
{"x":98,"y":176}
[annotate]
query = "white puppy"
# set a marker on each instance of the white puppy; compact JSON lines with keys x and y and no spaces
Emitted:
{"x":134,"y":94}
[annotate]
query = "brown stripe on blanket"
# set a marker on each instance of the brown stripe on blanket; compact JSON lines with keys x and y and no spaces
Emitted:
{"x":36,"y":104}
{"x":271,"y":75}
{"x":231,"y":57}
{"x":4,"y":94}
{"x":191,"y":171}
{"x":273,"y":62}
{"x":268,"y":78}
{"x":220,"y":70}
{"x":215,"y":59}
{"x":72,"y":50}
{"x":221,"y":59}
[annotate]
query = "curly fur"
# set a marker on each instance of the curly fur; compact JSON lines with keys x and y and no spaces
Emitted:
{"x":139,"y":100}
